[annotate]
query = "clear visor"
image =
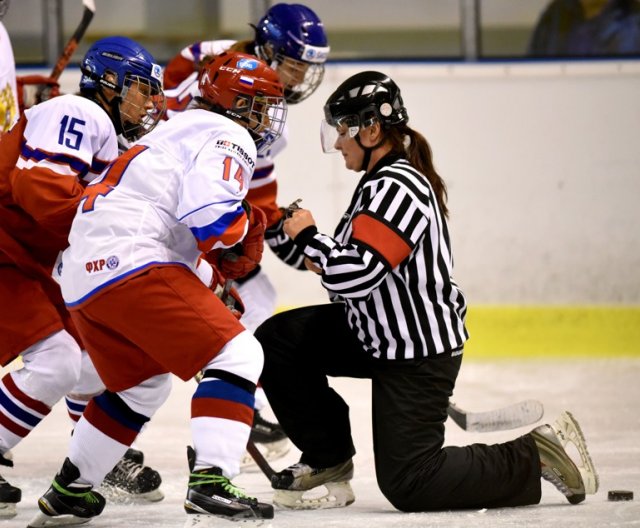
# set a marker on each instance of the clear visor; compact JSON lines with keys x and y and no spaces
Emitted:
{"x":142,"y":106}
{"x":348,"y":127}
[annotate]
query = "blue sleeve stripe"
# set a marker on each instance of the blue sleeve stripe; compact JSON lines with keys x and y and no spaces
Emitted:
{"x":224,"y":390}
{"x":38,"y":155}
{"x":218,"y":227}
{"x":262,"y":172}
{"x":131,"y":420}
{"x":18,"y":412}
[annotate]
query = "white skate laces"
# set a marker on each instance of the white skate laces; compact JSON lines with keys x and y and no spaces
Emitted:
{"x":301,"y":487}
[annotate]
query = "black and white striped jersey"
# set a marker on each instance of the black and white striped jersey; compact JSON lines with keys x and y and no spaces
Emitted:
{"x":390,"y":262}
{"x":283,"y":246}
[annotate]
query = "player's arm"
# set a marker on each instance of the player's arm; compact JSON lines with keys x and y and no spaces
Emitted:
{"x":189,"y":60}
{"x":177,"y":70}
{"x":213,"y":191}
{"x":60,"y":154}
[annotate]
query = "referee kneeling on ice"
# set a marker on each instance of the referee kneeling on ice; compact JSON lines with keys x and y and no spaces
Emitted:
{"x":398,"y":318}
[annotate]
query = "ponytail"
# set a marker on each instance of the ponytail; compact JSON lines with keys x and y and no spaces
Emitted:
{"x":418,"y":153}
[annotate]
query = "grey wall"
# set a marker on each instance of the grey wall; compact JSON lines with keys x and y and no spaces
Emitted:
{"x":543,"y":167}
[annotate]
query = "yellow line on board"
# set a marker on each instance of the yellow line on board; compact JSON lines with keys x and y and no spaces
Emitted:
{"x":504,"y":332}
{"x":553,"y":331}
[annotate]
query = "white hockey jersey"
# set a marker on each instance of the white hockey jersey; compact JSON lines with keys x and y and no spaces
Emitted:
{"x":68,"y":135}
{"x":181,"y":86}
{"x":176,"y":193}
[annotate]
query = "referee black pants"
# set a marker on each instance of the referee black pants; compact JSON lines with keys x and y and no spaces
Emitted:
{"x":409,"y":398}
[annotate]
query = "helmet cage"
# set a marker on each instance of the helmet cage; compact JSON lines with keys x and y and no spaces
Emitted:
{"x":120,"y":64}
{"x":291,"y":38}
{"x":299,"y":78}
{"x":246,"y":90}
{"x":141,"y":106}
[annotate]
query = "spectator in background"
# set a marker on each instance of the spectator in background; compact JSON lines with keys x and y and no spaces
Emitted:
{"x":587,"y":28}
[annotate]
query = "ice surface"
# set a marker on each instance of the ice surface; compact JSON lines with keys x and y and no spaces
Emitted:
{"x":604,"y":396}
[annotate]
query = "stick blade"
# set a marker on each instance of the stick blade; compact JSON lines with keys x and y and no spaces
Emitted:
{"x":519,"y":414}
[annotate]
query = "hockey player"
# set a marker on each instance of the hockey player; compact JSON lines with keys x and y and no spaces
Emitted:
{"x":134,"y":285}
{"x":398,"y":318}
{"x":46,"y":160}
{"x":292,"y":40}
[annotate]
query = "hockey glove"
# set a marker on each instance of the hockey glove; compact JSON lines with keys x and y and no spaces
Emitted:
{"x":34,"y":89}
{"x":225,"y":291}
{"x":243,"y":258}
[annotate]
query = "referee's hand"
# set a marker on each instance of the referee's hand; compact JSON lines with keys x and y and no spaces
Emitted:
{"x":299,"y":220}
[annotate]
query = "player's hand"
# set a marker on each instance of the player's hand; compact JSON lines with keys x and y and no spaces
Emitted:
{"x":243,"y":258}
{"x":299,"y":220}
{"x":225,"y":291}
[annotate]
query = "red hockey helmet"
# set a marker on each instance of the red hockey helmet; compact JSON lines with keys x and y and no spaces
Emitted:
{"x":245,"y":89}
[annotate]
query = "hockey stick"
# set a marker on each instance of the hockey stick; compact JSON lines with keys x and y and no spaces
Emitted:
{"x":70,"y":48}
{"x":259,"y":459}
{"x":519,"y":414}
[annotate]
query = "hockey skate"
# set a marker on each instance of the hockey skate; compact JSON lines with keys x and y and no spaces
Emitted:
{"x":131,"y":481}
{"x":67,"y":503}
{"x":212,"y":498}
{"x":269,"y":438}
{"x":574,"y":481}
{"x":9,"y":495}
{"x":300,"y":487}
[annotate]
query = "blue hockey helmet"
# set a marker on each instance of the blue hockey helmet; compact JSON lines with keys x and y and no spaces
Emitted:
{"x":291,"y":38}
{"x":119,"y":63}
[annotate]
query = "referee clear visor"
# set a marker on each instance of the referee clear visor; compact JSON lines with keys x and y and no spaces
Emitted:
{"x":330,"y":132}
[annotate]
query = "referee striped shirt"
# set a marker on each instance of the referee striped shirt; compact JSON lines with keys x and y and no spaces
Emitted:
{"x":390,"y":262}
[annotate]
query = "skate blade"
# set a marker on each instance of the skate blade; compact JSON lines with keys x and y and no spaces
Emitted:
{"x":42,"y":520}
{"x":569,"y":431}
{"x":271,"y":451}
{"x":215,"y":521}
{"x":8,"y":510}
{"x":338,"y":495}
{"x":120,"y":496}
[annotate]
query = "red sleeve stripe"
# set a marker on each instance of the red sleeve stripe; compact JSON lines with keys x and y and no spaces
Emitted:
{"x":27,"y":401}
{"x":231,"y":235}
{"x":13,"y":427}
{"x":381,"y":238}
{"x":108,"y":425}
{"x":221,"y":408}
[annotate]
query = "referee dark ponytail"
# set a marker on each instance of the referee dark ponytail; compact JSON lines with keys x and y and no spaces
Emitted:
{"x":369,"y":97}
{"x":413,"y":145}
